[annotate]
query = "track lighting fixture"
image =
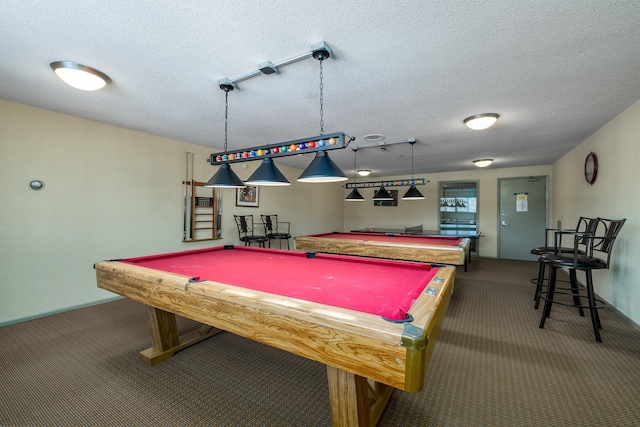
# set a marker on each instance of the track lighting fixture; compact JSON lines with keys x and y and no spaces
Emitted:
{"x":321,"y":169}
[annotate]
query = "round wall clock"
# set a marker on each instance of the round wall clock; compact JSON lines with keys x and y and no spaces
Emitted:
{"x":591,"y":168}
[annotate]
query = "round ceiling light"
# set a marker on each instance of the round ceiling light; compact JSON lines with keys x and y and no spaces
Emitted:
{"x":374,"y":137}
{"x":80,"y":76}
{"x":483,"y":163}
{"x":481,"y":121}
{"x":364,"y":172}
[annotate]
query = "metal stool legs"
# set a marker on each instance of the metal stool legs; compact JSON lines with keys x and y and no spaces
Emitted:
{"x":592,"y":302}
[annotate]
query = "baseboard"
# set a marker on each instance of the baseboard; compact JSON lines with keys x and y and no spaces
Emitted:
{"x":49,"y":313}
{"x":621,"y":314}
{"x":609,"y":305}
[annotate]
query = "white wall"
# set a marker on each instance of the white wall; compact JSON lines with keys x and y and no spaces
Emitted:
{"x":109,"y":193}
{"x":614,"y":195}
{"x":413,"y":212}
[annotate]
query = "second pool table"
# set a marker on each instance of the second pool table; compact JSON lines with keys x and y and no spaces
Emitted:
{"x":442,"y":249}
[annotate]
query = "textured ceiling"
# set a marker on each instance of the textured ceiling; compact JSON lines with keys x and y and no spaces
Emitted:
{"x":555,"y":71}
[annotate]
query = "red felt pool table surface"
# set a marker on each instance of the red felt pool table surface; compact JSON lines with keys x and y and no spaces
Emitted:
{"x":375,"y":286}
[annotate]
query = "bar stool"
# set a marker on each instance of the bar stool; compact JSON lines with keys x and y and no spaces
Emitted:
{"x":246,"y":231}
{"x":276,"y":230}
{"x":585,"y":225}
{"x":597,"y":256}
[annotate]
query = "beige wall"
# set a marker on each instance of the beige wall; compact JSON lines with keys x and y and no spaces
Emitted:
{"x":413,"y":212}
{"x":614,"y":195}
{"x":109,"y":193}
{"x":112,"y":193}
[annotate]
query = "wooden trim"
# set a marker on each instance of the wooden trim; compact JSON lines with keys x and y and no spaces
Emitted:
{"x":370,"y":248}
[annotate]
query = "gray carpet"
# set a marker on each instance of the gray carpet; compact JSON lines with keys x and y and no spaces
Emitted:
{"x":493,"y":366}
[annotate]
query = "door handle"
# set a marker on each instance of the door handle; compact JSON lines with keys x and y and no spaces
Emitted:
{"x":504,"y":223}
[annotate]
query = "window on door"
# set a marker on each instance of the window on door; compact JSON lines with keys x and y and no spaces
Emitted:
{"x":458,"y":208}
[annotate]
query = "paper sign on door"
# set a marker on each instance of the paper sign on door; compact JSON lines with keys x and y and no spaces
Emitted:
{"x":522,"y":202}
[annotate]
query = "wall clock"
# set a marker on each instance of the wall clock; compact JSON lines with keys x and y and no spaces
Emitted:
{"x":591,"y":168}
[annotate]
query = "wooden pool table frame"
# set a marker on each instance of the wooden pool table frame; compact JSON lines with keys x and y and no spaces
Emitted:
{"x":366,"y":356}
{"x":360,"y":245}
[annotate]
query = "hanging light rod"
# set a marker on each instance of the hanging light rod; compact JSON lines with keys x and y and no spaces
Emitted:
{"x":268,"y":67}
{"x":355,"y":195}
{"x":394,"y":183}
{"x":225,"y":177}
{"x":326,"y":142}
{"x":413,"y":193}
{"x":322,"y":168}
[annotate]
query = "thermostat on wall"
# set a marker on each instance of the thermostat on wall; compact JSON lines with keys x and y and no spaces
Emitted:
{"x":36,"y":184}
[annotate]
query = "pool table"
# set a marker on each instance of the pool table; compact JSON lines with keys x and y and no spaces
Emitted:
{"x":408,"y":247}
{"x":373,"y":322}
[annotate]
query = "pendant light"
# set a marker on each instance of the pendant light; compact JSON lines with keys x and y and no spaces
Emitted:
{"x":355,"y":195}
{"x":225,"y":177}
{"x":267,"y":174}
{"x":322,"y":168}
{"x":382,"y":194}
{"x":413,"y":193}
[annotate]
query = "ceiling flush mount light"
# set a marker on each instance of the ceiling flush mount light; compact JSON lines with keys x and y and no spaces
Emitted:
{"x":355,"y":195}
{"x":373,"y":137}
{"x":413,"y":193}
{"x":364,"y":172}
{"x":80,"y":76}
{"x":322,"y":168}
{"x":483,"y":163}
{"x":481,"y":121}
{"x":225,"y":177}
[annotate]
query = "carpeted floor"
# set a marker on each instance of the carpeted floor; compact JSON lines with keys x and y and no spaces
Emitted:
{"x":492,"y":366}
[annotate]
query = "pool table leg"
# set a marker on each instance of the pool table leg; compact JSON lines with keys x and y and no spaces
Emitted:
{"x":355,"y":402}
{"x":165,"y":341}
